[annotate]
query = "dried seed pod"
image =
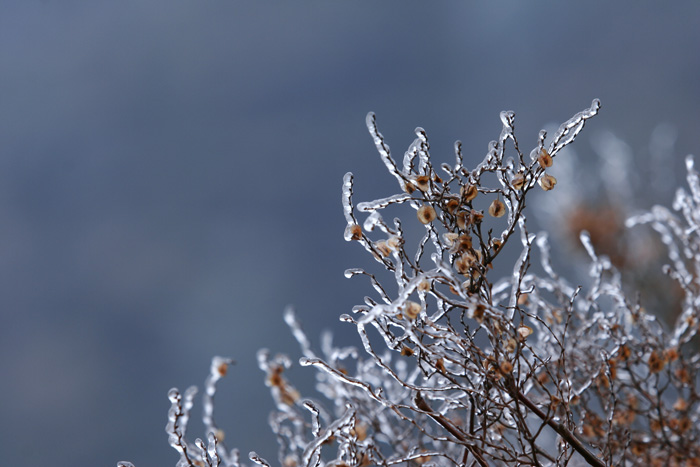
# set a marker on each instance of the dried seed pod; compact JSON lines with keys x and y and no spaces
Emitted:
{"x":518,"y":181}
{"x":426,"y":214}
{"x":424,"y":286}
{"x":393,"y":242}
{"x":680,"y":405}
{"x":465,"y":242}
{"x":463,"y":219}
{"x":409,"y":187}
{"x":451,"y":205}
{"x":383,"y":248}
{"x":411,"y":309}
{"x":289,"y":396}
{"x":465,"y":262}
{"x":547,"y":182}
{"x":524,"y":331}
{"x":656,"y":362}
{"x":497,"y":208}
{"x":478,"y":312}
{"x":544,"y":159}
{"x":506,"y":367}
{"x":672,"y":354}
{"x":450,"y":238}
{"x":469,"y":192}
{"x":353,"y":232}
{"x":406,"y":351}
{"x":440,"y":365}
{"x":222,"y":369}
{"x":423,"y":182}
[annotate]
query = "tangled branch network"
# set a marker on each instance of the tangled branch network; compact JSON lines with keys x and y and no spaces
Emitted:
{"x":465,"y":360}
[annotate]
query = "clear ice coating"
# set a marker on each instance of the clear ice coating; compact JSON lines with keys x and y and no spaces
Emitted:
{"x":347,"y":199}
{"x":568,"y":130}
{"x":382,"y":147}
{"x":462,"y":364}
{"x":383,"y":202}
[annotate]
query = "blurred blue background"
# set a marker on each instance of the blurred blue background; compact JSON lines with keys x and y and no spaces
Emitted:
{"x":170,"y":178}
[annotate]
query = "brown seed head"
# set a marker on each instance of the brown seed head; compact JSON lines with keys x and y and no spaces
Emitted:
{"x":524,"y":332}
{"x":518,"y":181}
{"x":353,"y":232}
{"x":680,"y":405}
{"x":544,"y":159}
{"x":656,"y":362}
{"x":423,"y":182}
{"x":411,"y":309}
{"x":672,"y":354}
{"x":440,"y":365}
{"x":497,"y":208}
{"x":383,"y":248}
{"x":478,"y":312}
{"x":469,"y":192}
{"x":426,"y":214}
{"x":465,"y":261}
{"x":506,"y":367}
{"x":547,"y":182}
{"x":451,"y":205}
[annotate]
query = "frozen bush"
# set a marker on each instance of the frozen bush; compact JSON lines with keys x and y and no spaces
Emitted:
{"x":476,"y":362}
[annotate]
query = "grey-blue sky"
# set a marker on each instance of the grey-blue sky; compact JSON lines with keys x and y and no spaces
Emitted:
{"x":170,"y":177}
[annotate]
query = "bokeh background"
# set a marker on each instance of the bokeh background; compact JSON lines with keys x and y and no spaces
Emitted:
{"x":170,"y":177}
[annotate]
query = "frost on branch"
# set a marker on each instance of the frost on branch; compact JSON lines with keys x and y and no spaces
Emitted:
{"x":474,"y":352}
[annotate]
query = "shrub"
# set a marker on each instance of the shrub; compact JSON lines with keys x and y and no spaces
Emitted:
{"x":467,"y":362}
